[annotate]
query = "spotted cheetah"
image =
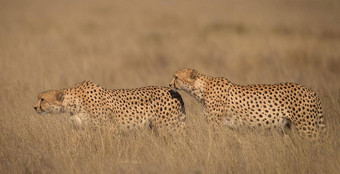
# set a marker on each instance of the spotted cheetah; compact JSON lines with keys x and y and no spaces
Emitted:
{"x":90,"y":104}
{"x":261,"y":105}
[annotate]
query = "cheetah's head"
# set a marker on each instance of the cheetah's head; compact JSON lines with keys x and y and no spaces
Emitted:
{"x":50,"y":102}
{"x":184,"y":79}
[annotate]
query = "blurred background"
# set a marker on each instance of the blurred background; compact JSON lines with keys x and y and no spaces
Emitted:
{"x":47,"y":44}
{"x":123,"y":44}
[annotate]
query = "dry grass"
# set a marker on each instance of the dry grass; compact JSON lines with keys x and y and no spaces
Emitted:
{"x":127,"y":44}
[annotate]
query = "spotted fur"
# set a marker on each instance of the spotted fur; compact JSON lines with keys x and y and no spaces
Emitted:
{"x":262,"y":105}
{"x":89,"y":103}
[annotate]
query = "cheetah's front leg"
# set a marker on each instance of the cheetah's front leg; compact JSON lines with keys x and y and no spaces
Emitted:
{"x":214,"y":118}
{"x":78,"y":120}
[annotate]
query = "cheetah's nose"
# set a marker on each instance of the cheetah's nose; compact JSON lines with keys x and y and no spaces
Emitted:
{"x":35,"y":108}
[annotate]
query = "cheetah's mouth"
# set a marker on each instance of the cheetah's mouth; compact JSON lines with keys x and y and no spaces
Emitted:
{"x":40,"y":112}
{"x":173,"y":86}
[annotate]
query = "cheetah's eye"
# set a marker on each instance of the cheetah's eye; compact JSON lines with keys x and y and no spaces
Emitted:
{"x":42,"y":99}
{"x":175,"y":77}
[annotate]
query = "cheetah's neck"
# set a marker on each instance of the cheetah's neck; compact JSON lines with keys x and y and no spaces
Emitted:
{"x":72,"y":103}
{"x":198,"y":89}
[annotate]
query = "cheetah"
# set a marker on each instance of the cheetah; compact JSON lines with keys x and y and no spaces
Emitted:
{"x":256,"y":106}
{"x":120,"y":109}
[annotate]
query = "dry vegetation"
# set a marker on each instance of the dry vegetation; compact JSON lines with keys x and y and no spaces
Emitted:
{"x":127,"y":44}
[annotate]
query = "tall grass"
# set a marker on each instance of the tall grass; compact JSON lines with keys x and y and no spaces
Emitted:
{"x":127,"y":44}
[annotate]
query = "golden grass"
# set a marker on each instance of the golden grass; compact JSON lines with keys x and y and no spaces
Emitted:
{"x":126,"y":44}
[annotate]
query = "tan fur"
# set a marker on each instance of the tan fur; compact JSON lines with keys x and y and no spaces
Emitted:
{"x":266,"y":106}
{"x":88,"y":103}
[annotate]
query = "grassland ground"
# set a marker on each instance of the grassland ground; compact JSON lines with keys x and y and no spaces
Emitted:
{"x":127,"y":44}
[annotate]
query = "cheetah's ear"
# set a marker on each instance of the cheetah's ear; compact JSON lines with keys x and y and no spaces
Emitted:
{"x":193,"y":74}
{"x":60,"y":96}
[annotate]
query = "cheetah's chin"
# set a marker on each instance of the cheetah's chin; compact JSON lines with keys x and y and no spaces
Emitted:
{"x":174,"y":89}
